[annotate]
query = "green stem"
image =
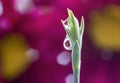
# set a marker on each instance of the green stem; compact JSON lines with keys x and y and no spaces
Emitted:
{"x":76,"y":76}
{"x":76,"y":62}
{"x":74,"y":32}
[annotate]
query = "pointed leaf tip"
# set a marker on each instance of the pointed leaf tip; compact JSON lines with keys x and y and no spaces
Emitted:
{"x":82,"y":25}
{"x":70,"y":13}
{"x":82,"y":20}
{"x":68,"y":10}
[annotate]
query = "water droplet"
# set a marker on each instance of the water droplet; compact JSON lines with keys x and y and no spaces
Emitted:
{"x":64,"y":58}
{"x":67,"y":44}
{"x":69,"y":79}
{"x":32,"y":54}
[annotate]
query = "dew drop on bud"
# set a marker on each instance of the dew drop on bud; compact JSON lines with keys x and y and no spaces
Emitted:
{"x":67,"y":44}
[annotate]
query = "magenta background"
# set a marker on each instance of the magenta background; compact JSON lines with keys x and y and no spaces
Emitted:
{"x":46,"y":34}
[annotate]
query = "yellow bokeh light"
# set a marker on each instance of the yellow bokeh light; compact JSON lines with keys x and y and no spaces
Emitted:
{"x":105,"y":28}
{"x":14,"y":60}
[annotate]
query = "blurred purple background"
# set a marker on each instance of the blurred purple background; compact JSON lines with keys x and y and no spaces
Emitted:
{"x":31,"y":41}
